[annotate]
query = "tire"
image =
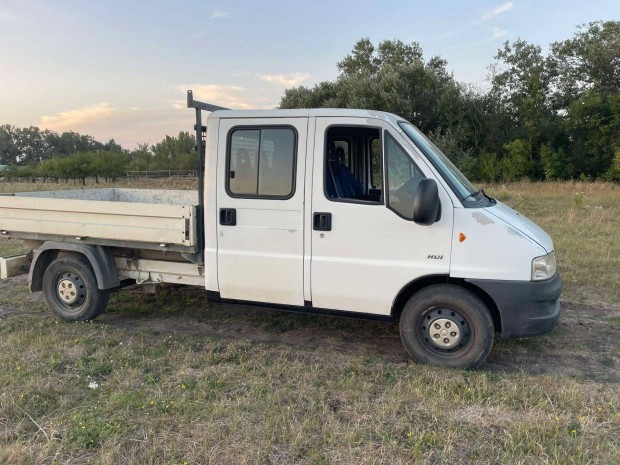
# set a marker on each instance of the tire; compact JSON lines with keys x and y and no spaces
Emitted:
{"x":70,"y":289}
{"x":448,"y":326}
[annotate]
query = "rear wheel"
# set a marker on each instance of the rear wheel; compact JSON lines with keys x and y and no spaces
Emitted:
{"x":70,"y":289}
{"x":446,"y":325}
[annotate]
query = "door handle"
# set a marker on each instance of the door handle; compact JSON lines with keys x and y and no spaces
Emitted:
{"x":228,"y":217}
{"x":322,"y":221}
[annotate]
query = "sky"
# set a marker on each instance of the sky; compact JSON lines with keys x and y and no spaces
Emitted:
{"x":121,"y":68}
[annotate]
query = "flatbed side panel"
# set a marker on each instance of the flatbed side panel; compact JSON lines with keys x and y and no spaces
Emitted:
{"x":91,"y":206}
{"x":117,"y":194}
{"x":154,"y":223}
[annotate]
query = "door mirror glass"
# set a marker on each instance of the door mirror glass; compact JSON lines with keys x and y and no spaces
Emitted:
{"x":426,"y":202}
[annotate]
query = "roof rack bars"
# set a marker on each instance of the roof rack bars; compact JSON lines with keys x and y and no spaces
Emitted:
{"x":191,"y":103}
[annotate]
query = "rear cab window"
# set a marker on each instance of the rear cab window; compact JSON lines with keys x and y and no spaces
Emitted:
{"x":261,"y":162}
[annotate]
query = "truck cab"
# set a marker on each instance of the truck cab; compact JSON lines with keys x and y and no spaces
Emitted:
{"x":356,"y":212}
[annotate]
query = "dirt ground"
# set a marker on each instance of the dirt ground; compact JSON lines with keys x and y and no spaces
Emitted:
{"x":584,"y":345}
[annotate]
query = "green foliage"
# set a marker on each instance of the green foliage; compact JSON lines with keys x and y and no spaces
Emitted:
{"x":490,"y":167}
{"x":82,"y":165}
{"x":109,"y":165}
{"x":108,"y":161}
{"x":554,"y":116}
{"x":555,"y":163}
{"x":613,"y":174}
{"x":140,"y":159}
{"x":516,"y":163}
{"x":587,"y":61}
{"x":174,"y":153}
{"x":392,"y":77}
{"x":26,"y":146}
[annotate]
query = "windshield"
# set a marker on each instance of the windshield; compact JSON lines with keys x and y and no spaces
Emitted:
{"x":457,"y":180}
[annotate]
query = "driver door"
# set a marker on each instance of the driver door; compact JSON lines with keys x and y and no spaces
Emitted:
{"x":373,"y":249}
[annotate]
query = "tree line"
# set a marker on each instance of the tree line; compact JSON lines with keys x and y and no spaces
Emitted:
{"x":543,"y":116}
{"x":553,"y":116}
{"x":34,"y":153}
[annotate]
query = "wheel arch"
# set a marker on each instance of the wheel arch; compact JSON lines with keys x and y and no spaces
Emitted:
{"x":99,"y":258}
{"x":417,"y":285}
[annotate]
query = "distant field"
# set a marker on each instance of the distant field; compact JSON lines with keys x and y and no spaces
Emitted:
{"x":169,"y":379}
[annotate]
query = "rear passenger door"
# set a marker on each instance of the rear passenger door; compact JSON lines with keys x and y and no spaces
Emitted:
{"x":260,"y":192}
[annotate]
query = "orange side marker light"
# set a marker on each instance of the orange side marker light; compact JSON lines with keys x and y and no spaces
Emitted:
{"x":462,"y":237}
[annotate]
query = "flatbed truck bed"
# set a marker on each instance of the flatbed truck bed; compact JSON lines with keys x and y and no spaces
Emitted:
{"x":138,"y":218}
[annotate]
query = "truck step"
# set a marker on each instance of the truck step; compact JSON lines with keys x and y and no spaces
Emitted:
{"x":14,"y":266}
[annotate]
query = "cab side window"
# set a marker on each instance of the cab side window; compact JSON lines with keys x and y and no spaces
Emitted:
{"x":261,"y":162}
{"x":347,"y":164}
{"x":403,"y":178}
{"x":376,"y":163}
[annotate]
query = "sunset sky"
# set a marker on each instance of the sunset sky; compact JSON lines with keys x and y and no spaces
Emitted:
{"x":120,"y":69}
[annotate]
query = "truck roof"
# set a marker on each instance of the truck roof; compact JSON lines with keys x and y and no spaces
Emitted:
{"x":306,"y":112}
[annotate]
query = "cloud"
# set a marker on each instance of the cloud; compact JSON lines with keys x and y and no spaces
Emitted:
{"x":217,"y":14}
{"x":6,"y":16}
{"x":497,"y":11}
{"x":285,"y":79}
{"x":73,"y":118}
{"x":497,"y":32}
{"x":222,"y":95}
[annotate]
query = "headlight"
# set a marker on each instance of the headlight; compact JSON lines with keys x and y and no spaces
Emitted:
{"x":543,"y":267}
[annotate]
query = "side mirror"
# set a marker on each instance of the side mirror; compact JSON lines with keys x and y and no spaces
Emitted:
{"x":426,"y":202}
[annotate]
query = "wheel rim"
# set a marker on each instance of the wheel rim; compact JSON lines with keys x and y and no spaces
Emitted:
{"x":445,"y":331}
{"x":70,"y":291}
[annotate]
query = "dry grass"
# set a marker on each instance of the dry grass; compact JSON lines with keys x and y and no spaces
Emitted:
{"x":179,"y":381}
{"x":584,"y":221}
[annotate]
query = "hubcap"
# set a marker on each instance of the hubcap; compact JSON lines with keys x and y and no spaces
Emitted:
{"x":444,"y":330}
{"x":71,"y":290}
{"x":445,"y":333}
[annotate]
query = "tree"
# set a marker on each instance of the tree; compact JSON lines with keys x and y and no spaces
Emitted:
{"x":140,"y":159}
{"x":587,"y":95}
{"x":393,"y":77}
{"x":9,"y":153}
{"x":489,"y":167}
{"x":81,"y":166}
{"x":555,"y":163}
{"x":109,"y":165}
{"x":593,"y":124}
{"x":175,"y":153}
{"x":613,"y":174}
{"x":522,"y":80}
{"x":590,"y":60}
{"x":516,"y":163}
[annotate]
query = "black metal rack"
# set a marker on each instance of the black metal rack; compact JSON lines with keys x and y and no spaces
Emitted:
{"x":201,"y":137}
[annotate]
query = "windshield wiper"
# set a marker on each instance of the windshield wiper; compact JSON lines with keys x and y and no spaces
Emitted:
{"x":480,"y":191}
{"x":491,"y":199}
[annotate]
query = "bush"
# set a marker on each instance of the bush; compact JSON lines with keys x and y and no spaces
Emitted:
{"x":517,"y":163}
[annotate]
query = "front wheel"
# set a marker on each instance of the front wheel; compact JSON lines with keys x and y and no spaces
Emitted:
{"x":446,"y":325}
{"x":70,"y":289}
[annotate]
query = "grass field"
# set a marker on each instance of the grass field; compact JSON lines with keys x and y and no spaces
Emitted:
{"x":168,"y":379}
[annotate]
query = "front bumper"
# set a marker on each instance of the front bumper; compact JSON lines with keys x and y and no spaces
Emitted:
{"x":526,"y":308}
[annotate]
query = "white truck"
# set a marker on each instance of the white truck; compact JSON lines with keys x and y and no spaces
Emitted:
{"x":329,"y":211}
